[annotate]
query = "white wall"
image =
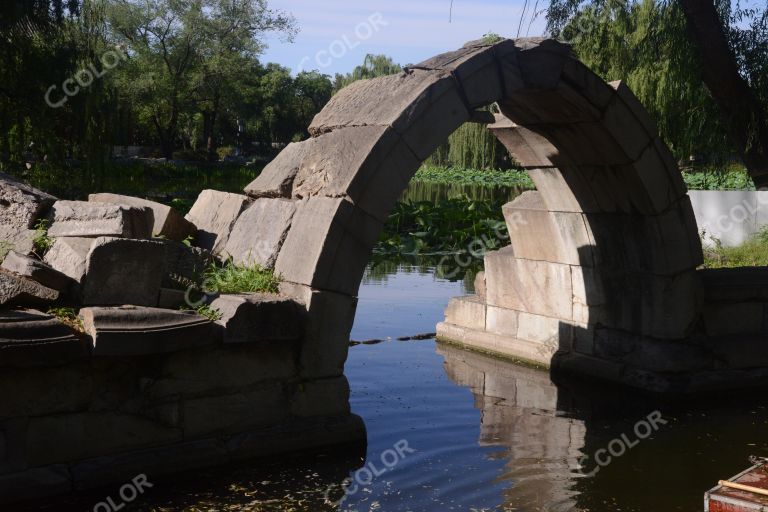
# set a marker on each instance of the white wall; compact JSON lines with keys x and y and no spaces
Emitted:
{"x":730,"y":216}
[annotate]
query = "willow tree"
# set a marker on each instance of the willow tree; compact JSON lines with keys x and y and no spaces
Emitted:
{"x":700,"y":66}
{"x":372,"y":66}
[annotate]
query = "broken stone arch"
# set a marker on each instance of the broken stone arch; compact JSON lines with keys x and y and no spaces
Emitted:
{"x":608,"y":239}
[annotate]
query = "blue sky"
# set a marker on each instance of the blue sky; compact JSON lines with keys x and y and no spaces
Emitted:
{"x":335,"y":35}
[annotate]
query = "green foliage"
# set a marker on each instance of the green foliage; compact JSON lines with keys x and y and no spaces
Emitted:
{"x":713,"y":178}
{"x":205,"y":311}
{"x":67,"y":316}
{"x":459,"y":225}
{"x":41,"y":241}
{"x":752,"y":253}
{"x":5,"y":248}
{"x":474,"y":176}
{"x":647,"y":44}
{"x":231,"y":278}
{"x":491,"y":38}
{"x":473,"y":146}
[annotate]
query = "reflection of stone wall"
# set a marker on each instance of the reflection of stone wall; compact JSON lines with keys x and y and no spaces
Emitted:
{"x":518,"y":406}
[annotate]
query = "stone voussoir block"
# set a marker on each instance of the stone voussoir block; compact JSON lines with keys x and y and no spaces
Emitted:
{"x":371,"y":165}
{"x":259,"y":317}
{"x":424,"y":107}
{"x":328,"y":245}
{"x":135,"y":331}
{"x":84,"y":219}
{"x":276,"y":179}
{"x":123,"y":271}
{"x":168,"y":222}
{"x":214,"y":213}
{"x":259,"y":232}
{"x":477,"y":70}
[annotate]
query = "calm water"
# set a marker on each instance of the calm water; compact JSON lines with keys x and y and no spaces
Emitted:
{"x":481,"y":434}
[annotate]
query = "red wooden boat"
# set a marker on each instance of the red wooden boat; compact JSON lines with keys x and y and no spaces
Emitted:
{"x":746,"y":492}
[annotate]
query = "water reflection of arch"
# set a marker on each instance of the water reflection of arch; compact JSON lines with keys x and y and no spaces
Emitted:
{"x":519,"y":412}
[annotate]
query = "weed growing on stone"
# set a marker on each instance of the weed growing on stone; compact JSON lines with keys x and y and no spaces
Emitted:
{"x":41,"y":241}
{"x":231,"y":278}
{"x":752,"y":253}
{"x":5,"y":248}
{"x":67,"y":316}
{"x":206,"y":311}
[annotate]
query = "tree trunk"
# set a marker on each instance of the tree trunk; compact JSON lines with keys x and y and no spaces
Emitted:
{"x":746,"y":118}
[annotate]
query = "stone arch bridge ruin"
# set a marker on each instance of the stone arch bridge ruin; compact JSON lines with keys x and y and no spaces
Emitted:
{"x":600,"y":279}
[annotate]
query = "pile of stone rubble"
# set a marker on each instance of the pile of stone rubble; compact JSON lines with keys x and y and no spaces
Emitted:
{"x":129,"y":266}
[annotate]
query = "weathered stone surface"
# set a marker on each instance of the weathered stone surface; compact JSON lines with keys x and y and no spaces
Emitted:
{"x":16,"y":290}
{"x":734,"y":318}
{"x":476,"y":69}
{"x":132,"y":331}
{"x":268,"y":404}
{"x":172,"y":298}
{"x":276,"y":180}
{"x":370,"y":165}
{"x":501,"y":321}
{"x":44,"y":390}
{"x":468,"y":311}
{"x":424,"y":107}
{"x":323,"y":397}
{"x":168,"y":222}
{"x":258,"y":317}
{"x":35,"y":484}
{"x":744,"y":284}
{"x":20,"y":207}
{"x":78,"y":436}
{"x":561,"y":105}
{"x":183,"y":266}
{"x":123,"y":271}
{"x":214,"y":213}
{"x":537,"y":287}
{"x":329,"y":318}
{"x":31,"y":338}
{"x":480,"y":287}
{"x":69,"y":255}
{"x":541,"y":61}
{"x":591,"y":86}
{"x":259,"y":232}
{"x":543,"y":329}
{"x":538,"y":234}
{"x":193,"y":373}
{"x":84,"y":219}
{"x":37,"y":270}
{"x":328,"y":245}
{"x":504,"y":345}
{"x":527,"y":147}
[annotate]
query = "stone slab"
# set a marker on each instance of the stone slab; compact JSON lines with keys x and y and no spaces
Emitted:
{"x":259,"y":232}
{"x":323,"y":397}
{"x":258,"y":317}
{"x":84,"y":219}
{"x":168,"y":222}
{"x":123,"y":271}
{"x":37,"y":270}
{"x":183,"y":266}
{"x":134,"y":331}
{"x":21,"y":206}
{"x":16,"y":290}
{"x":501,"y":321}
{"x":502,"y":345}
{"x":214,"y":213}
{"x":69,"y":255}
{"x":468,"y":311}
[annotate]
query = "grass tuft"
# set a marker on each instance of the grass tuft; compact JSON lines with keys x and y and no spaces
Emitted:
{"x":67,"y":316}
{"x":752,"y":253}
{"x":231,"y":278}
{"x":41,"y":241}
